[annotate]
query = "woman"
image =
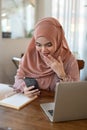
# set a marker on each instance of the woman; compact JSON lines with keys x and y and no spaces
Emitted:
{"x":47,"y":59}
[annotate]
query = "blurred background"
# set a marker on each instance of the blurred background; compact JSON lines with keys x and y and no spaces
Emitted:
{"x":17,"y":20}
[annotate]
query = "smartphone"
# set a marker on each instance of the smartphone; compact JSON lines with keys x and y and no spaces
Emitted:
{"x":31,"y":82}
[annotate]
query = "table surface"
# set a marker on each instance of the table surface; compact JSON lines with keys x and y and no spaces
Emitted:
{"x":32,"y":117}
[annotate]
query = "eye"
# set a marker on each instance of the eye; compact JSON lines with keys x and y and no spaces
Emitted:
{"x":49,"y":44}
{"x":38,"y":44}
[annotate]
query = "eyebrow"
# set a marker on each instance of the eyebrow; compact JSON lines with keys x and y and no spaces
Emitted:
{"x":44,"y":44}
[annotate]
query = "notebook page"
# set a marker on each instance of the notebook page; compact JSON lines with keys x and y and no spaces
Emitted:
{"x":4,"y":90}
{"x":16,"y":101}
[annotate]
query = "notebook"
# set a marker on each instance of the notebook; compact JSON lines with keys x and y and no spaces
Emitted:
{"x":70,"y":102}
{"x":9,"y":98}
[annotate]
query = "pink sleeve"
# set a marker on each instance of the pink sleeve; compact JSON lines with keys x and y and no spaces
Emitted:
{"x":19,"y":82}
{"x":72,"y":70}
{"x":19,"y":85}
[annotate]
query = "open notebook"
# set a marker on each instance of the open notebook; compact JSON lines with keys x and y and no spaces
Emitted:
{"x":9,"y":98}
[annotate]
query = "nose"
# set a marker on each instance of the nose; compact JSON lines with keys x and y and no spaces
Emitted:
{"x":43,"y":48}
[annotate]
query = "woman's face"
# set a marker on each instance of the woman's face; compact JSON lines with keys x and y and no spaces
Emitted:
{"x":45,"y":47}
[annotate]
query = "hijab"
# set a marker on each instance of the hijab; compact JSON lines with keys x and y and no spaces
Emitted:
{"x":32,"y":63}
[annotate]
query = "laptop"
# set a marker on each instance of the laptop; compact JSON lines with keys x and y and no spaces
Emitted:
{"x":70,"y":102}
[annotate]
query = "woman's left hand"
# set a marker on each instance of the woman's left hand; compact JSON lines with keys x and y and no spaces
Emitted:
{"x":56,"y":65}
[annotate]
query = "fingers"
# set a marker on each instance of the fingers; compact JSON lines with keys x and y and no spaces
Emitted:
{"x":28,"y":88}
{"x":31,"y":93}
{"x":49,"y":60}
{"x":60,"y":60}
{"x":34,"y":93}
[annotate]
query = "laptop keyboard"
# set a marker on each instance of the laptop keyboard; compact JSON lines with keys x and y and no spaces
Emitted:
{"x":51,"y":112}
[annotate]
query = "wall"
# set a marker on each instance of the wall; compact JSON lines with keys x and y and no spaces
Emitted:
{"x":8,"y":49}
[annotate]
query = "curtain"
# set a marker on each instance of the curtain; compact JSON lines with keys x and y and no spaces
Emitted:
{"x":70,"y":13}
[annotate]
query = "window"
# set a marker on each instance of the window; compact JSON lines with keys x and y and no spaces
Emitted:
{"x":17,"y":18}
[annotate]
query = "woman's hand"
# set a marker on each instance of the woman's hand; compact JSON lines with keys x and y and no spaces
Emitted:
{"x":56,"y":65}
{"x":31,"y":93}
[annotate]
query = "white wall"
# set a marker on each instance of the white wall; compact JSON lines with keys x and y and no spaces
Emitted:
{"x":8,"y":49}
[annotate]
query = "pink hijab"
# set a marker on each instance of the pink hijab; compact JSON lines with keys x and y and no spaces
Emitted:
{"x":33,"y":65}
